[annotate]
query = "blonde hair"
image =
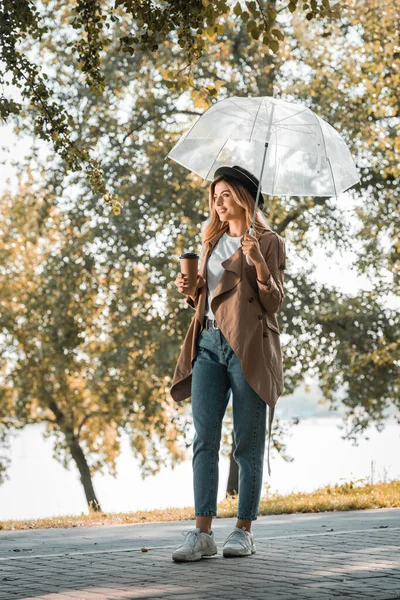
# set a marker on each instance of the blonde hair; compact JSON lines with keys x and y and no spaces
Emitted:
{"x":242,"y":196}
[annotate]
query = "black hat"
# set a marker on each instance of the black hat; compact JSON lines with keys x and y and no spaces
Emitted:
{"x":247,"y":179}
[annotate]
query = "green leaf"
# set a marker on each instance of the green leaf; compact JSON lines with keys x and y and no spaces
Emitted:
{"x":278,"y":34}
{"x":271,"y":15}
{"x":238,"y":9}
{"x":274,"y":45}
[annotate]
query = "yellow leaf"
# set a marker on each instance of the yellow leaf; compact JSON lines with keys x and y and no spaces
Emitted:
{"x":210,"y":32}
{"x":199,"y":103}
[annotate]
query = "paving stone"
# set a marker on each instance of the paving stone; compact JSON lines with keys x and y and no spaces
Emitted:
{"x":295,"y":560}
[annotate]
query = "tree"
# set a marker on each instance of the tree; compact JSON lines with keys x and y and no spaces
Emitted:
{"x":70,"y":364}
{"x":349,"y":75}
{"x":351,"y":82}
{"x":91,"y":26}
{"x":164,"y":207}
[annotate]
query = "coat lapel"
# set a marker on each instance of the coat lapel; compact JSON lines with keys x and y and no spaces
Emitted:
{"x":233,"y":270}
{"x":232,"y":275}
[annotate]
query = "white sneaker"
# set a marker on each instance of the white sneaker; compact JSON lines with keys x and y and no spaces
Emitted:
{"x":239,"y":543}
{"x":195,"y":546}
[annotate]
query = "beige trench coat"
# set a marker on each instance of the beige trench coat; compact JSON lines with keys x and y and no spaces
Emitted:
{"x":245,"y":310}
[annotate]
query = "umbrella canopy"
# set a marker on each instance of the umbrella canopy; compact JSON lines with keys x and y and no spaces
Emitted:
{"x":296,"y":152}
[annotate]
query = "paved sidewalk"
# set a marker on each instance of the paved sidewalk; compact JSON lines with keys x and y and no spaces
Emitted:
{"x":352,"y":555}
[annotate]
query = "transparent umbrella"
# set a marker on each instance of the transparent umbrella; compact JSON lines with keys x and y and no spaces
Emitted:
{"x":286,"y":145}
{"x":304,"y":155}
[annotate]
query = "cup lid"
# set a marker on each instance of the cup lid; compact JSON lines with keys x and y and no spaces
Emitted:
{"x":189,"y":255}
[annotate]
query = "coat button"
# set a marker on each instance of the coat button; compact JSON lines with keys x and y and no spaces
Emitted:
{"x":282,"y":266}
{"x":251,"y":299}
{"x":265,"y":334}
{"x":259,"y":317}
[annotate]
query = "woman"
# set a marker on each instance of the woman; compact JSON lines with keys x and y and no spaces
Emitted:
{"x":232,"y":345}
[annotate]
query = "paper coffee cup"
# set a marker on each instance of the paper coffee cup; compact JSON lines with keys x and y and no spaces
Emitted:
{"x":190,"y":267}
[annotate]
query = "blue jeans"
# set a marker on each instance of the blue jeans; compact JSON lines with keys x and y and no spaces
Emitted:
{"x":216,"y":371}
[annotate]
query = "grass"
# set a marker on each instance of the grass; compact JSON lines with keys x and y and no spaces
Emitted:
{"x":353,"y":495}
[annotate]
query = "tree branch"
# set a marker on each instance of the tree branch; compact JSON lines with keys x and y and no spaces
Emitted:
{"x":166,"y":113}
{"x":288,"y":219}
{"x":88,"y":416}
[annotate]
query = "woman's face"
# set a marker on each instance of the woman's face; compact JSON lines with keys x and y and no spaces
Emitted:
{"x":225,"y":205}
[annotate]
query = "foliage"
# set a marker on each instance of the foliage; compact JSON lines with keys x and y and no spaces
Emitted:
{"x":70,"y":363}
{"x":349,"y":75}
{"x":354,"y":352}
{"x":109,"y":320}
{"x":92,"y":25}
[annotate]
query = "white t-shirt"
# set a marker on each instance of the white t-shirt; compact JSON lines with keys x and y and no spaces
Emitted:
{"x":224,"y":248}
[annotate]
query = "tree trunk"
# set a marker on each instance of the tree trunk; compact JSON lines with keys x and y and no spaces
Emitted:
{"x":233,"y":478}
{"x":86,"y":478}
{"x":78,"y":456}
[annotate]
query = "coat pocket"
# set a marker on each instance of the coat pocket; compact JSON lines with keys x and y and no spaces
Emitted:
{"x":272,"y":325}
{"x":273,"y":350}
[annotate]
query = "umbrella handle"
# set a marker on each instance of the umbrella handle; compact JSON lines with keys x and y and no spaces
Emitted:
{"x":248,"y":260}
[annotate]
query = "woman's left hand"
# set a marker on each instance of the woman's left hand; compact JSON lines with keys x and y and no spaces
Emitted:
{"x":251,"y":248}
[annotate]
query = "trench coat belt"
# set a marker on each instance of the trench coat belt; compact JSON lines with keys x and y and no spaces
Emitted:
{"x":210,"y":323}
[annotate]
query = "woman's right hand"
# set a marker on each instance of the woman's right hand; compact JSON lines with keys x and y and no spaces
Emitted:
{"x":181,"y":283}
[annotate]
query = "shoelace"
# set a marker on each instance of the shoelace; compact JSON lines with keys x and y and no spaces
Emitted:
{"x":237,"y":536}
{"x":191,"y":537}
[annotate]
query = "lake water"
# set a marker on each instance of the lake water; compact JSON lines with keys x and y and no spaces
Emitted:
{"x":41,"y":487}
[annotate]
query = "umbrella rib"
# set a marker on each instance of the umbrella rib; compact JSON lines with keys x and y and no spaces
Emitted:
{"x":291,"y":128}
{"x":323,"y":137}
{"x":252,"y":116}
{"x":242,"y":108}
{"x":246,"y":110}
{"x":333,"y":179}
{"x":287,"y":125}
{"x":307,"y":125}
{"x":275,"y":171}
{"x":234,"y":116}
{"x":255,"y":119}
{"x":289,"y":116}
{"x":327,"y":157}
{"x":222,"y":147}
{"x":291,"y":125}
{"x":244,"y":119}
